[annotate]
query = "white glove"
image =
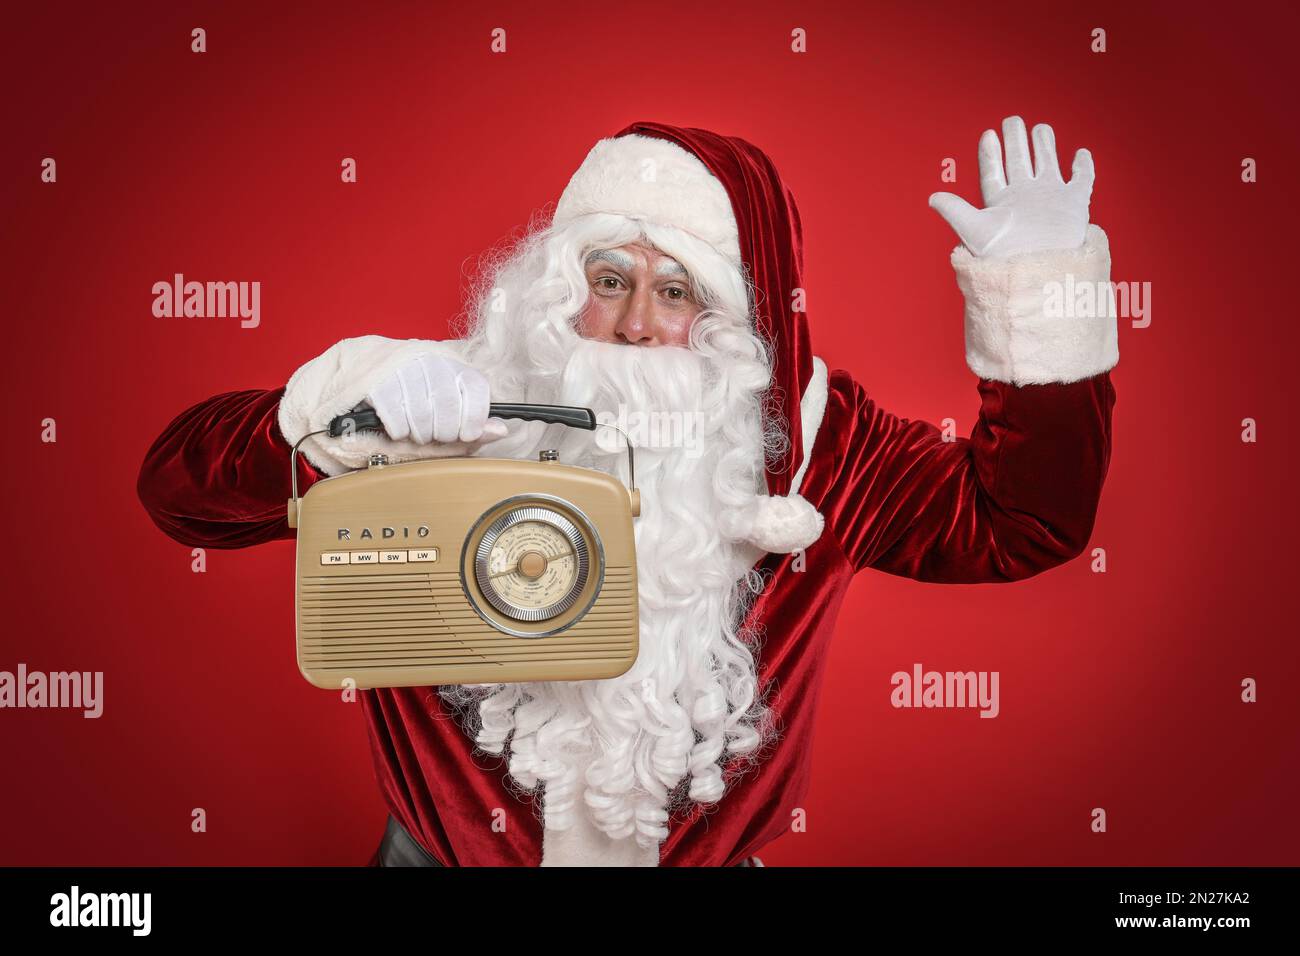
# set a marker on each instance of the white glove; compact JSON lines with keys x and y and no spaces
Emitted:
{"x":1027,"y":209}
{"x":435,"y":399}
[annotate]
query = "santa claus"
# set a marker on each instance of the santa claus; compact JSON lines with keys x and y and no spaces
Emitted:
{"x":670,"y":282}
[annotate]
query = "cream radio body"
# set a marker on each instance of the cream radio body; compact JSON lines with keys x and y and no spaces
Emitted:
{"x":466,"y":570}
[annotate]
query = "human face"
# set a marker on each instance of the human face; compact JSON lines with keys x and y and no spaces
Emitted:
{"x":639,"y":296}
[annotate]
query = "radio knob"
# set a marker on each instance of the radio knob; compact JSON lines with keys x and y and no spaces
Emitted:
{"x":532,"y":565}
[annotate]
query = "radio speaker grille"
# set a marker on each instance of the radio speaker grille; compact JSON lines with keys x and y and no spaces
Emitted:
{"x":369,"y":626}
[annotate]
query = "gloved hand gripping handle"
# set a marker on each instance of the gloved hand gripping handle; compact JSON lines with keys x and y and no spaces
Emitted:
{"x":364,"y":418}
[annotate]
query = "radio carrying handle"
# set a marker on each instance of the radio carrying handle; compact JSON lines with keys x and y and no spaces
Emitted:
{"x":365,"y":418}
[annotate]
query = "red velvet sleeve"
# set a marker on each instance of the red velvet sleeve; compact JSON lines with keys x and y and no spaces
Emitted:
{"x":1016,"y":498}
{"x":218,"y":475}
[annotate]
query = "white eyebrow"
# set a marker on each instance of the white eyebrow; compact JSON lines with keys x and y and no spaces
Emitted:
{"x":670,"y":267}
{"x":620,"y":259}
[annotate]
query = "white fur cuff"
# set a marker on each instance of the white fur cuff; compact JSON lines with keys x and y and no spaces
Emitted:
{"x":1022,"y":326}
{"x":336,"y":382}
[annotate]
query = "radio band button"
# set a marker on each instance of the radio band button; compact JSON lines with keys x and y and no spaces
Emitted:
{"x":422,"y":556}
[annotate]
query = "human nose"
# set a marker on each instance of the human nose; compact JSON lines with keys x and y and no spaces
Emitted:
{"x":636,"y":325}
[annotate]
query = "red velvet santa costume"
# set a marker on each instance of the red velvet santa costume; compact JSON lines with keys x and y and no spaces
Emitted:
{"x":853,"y":487}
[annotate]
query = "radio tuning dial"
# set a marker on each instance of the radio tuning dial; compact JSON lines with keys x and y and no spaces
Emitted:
{"x":532,"y":562}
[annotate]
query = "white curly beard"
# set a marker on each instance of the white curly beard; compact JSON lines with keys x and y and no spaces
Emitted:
{"x":614,"y":758}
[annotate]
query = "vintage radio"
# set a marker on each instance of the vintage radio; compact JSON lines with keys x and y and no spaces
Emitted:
{"x":465,"y":570}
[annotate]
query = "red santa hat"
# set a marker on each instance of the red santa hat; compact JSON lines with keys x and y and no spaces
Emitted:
{"x":727,"y":192}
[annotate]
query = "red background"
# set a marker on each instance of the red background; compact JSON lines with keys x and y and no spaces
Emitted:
{"x":1119,"y":690}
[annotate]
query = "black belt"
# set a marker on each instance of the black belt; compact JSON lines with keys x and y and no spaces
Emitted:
{"x":399,"y":848}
